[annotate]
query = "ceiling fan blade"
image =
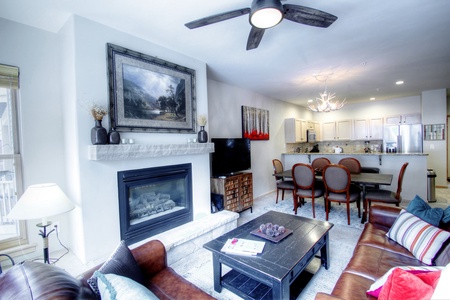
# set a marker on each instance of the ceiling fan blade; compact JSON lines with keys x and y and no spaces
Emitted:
{"x":308,"y":16}
{"x":254,"y":37}
{"x":217,"y":18}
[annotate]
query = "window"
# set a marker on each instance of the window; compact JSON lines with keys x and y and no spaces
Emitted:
{"x":12,"y":232}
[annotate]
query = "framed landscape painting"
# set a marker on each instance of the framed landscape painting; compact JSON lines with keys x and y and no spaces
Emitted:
{"x":255,"y":123}
{"x":148,"y":94}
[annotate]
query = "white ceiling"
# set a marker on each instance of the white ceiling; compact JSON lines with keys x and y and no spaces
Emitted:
{"x":371,"y":45}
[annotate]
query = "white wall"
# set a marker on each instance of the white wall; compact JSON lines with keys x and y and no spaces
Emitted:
{"x":224,"y":103}
{"x":59,"y":74}
{"x":36,"y":54}
{"x":94,"y":186}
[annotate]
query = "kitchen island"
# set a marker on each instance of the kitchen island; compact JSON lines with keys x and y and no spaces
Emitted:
{"x":414,"y":182}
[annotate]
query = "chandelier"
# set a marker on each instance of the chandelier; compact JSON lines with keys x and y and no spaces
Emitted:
{"x":326,"y":102}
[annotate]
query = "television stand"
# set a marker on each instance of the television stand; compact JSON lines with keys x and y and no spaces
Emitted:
{"x":237,"y":191}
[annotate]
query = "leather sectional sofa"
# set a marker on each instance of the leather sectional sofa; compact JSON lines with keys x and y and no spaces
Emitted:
{"x":33,"y":280}
{"x":374,"y":255}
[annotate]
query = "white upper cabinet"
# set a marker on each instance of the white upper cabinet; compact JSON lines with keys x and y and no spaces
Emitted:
{"x":339,"y":130}
{"x":368,"y":129}
{"x":316,"y":126}
{"x":328,"y":131}
{"x":403,"y":119}
{"x":304,"y":126}
{"x":295,"y":130}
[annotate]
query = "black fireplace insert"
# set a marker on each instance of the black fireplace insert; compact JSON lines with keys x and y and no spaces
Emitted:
{"x":154,"y":200}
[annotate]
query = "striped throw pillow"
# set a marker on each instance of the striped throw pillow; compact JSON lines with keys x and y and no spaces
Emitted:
{"x":422,"y":239}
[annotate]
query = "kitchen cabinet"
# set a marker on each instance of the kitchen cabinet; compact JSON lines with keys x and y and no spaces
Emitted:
{"x":403,"y":119}
{"x":339,"y":130}
{"x":317,"y":128}
{"x":295,"y":130}
{"x":368,"y":129}
{"x":304,"y":125}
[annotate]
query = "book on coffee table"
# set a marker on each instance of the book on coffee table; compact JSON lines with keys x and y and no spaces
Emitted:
{"x":243,"y":247}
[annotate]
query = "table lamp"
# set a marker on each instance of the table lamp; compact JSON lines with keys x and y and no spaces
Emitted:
{"x":39,"y":202}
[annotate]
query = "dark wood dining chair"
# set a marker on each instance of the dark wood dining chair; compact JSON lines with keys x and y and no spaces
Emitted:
{"x":338,"y":188}
{"x":306,"y":185}
{"x":352,"y":164}
{"x":282,"y":184}
{"x":318,"y":164}
{"x":386,"y":196}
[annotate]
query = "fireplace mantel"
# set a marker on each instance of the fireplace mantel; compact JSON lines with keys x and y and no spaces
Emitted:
{"x":135,"y":151}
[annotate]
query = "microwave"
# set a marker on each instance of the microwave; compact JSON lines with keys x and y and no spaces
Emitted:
{"x":311,"y":136}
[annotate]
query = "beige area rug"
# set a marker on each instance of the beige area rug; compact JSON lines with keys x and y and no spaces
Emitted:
{"x":197,"y":267}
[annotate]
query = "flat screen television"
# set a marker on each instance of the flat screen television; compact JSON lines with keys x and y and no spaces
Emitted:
{"x":231,"y":155}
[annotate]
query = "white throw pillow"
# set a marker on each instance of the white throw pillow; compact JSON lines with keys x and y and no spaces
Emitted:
{"x":442,"y":290}
{"x":115,"y":287}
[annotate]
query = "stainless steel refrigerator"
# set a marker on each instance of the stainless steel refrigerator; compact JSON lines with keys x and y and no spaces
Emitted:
{"x":403,"y":138}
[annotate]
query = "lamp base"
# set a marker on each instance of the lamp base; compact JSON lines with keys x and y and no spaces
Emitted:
{"x":44,"y":234}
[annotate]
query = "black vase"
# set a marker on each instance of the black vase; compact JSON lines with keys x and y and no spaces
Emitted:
{"x":113,"y":137}
{"x":99,"y":136}
{"x":202,"y":135}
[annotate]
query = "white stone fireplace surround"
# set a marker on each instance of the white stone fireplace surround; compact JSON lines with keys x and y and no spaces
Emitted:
{"x":178,"y":241}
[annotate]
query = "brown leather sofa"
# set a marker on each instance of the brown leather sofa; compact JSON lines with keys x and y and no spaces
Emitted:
{"x":161,"y":279}
{"x":374,"y":255}
{"x":34,"y":280}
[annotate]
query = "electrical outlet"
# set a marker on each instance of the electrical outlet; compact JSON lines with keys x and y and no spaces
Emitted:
{"x":57,"y":226}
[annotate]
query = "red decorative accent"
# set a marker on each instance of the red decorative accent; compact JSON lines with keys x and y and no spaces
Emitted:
{"x":255,"y":135}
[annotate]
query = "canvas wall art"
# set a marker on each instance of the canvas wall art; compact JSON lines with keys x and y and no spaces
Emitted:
{"x":255,"y":123}
{"x":150,"y":94}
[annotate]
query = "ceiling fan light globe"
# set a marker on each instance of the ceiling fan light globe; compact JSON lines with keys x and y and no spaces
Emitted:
{"x":266,"y":18}
{"x":266,"y":13}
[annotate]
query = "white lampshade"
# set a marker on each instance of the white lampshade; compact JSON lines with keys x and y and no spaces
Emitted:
{"x":41,"y":201}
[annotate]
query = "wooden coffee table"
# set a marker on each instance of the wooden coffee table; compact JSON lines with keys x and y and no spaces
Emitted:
{"x":270,"y":274}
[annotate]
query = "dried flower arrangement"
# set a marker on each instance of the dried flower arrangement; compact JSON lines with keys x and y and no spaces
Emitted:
{"x":98,"y":112}
{"x":202,"y":120}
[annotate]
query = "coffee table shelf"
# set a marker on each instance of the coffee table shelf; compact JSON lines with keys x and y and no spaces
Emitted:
{"x":248,"y":288}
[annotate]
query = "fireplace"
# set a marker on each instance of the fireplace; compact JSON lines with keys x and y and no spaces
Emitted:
{"x":154,"y":200}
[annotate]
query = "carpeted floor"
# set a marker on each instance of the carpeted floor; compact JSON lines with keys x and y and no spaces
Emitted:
{"x":197,"y":267}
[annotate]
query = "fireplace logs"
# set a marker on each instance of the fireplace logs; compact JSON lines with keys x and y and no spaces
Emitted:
{"x":149,"y":204}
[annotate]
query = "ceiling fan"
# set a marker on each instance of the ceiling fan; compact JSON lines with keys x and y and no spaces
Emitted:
{"x":268,"y":13}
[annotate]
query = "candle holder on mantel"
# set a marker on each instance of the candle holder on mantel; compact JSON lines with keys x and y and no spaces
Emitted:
{"x":113,"y":136}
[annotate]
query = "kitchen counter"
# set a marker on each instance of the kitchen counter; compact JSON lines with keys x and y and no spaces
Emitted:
{"x":414,"y":181}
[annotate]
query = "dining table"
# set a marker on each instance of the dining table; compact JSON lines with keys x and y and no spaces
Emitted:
{"x":362,"y":179}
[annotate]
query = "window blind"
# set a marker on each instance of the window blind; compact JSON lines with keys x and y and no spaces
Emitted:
{"x":9,"y":77}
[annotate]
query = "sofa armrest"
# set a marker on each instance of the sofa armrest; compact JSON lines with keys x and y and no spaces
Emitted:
{"x":151,"y":258}
{"x":383,"y":215}
{"x":323,"y":296}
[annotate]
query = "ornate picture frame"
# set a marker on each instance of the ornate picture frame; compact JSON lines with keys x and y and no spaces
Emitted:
{"x":148,"y":94}
{"x":255,"y":123}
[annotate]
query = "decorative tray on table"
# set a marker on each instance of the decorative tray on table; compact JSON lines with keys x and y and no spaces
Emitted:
{"x":272,"y":232}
